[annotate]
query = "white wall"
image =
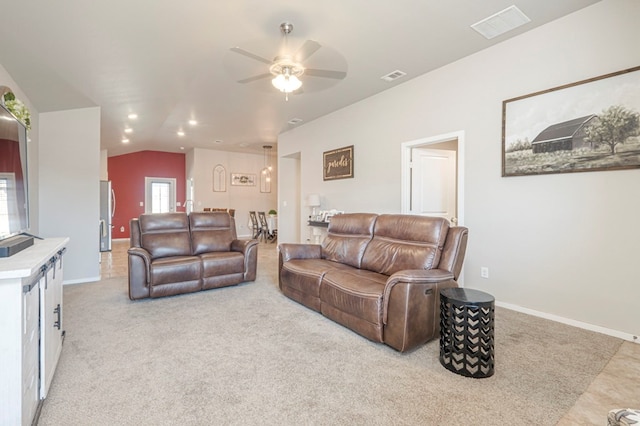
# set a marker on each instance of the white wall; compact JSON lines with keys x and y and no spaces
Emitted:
{"x":104,"y":162}
{"x":200,"y":164}
{"x":563,"y":246}
{"x":70,"y":188}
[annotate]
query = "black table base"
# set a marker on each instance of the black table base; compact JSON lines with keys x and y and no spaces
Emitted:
{"x":466,"y":332}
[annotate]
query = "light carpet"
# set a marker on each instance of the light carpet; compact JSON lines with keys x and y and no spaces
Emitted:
{"x":247,"y":355}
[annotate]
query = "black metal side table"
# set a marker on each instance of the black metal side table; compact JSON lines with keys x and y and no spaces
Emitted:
{"x":466,"y":332}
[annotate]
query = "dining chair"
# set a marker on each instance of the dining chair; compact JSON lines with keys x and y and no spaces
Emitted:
{"x":256,"y":231}
{"x":267,"y":235}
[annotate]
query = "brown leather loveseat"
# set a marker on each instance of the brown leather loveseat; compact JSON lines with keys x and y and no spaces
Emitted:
{"x":174,"y":253}
{"x":379,"y":275}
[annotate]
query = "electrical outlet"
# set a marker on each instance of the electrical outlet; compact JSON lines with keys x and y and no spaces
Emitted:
{"x":484,"y":272}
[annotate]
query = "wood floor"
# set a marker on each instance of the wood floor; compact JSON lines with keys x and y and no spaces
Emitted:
{"x":617,"y":386}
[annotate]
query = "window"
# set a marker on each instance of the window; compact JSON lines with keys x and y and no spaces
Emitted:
{"x":160,"y":195}
{"x":8,"y":204}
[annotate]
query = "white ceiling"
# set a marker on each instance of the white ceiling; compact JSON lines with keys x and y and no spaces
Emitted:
{"x":169,"y":61}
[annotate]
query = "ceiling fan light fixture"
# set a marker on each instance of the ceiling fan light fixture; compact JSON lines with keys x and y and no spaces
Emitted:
{"x":286,"y":69}
{"x":286,"y":75}
{"x":286,"y":83}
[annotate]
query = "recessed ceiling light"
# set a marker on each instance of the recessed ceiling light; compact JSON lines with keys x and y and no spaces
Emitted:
{"x":180,"y":133}
{"x":501,"y":22}
{"x":218,"y":141}
{"x":125,"y":140}
{"x":128,"y":130}
{"x":132,"y":116}
{"x":192,"y":122}
{"x":295,"y":121}
{"x":182,"y":148}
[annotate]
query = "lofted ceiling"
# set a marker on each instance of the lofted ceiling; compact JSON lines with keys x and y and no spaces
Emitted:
{"x":170,"y":61}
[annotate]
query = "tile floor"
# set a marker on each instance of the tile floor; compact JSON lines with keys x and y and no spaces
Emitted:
{"x":617,"y":386}
{"x":114,"y":263}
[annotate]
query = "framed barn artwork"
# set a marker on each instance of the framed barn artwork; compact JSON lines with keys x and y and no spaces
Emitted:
{"x":590,"y":125}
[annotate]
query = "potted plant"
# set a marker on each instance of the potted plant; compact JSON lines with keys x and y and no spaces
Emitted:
{"x":272,"y":212}
{"x":16,"y":107}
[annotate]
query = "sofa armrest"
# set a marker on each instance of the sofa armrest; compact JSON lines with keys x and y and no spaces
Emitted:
{"x":411,"y":306}
{"x":139,"y":273}
{"x":418,"y":276}
{"x":290,"y":251}
{"x":249,"y":249}
{"x":243,"y":245}
{"x":428,"y":277}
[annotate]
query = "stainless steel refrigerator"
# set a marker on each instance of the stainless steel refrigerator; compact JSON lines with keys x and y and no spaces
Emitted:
{"x":107,"y":210}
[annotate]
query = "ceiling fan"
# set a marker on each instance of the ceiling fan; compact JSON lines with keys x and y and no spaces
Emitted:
{"x":286,"y":68}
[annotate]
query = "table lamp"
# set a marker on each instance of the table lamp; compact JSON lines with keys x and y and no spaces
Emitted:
{"x":313,"y":201}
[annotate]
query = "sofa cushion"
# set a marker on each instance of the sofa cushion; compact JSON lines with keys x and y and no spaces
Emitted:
{"x":305,"y":275}
{"x":355,"y":299}
{"x":403,"y":242}
{"x":211,"y":232}
{"x":175,"y":269}
{"x":165,"y":234}
{"x":222,"y":263}
{"x":347,"y":237}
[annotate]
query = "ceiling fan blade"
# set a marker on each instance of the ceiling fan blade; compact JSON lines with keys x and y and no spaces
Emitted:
{"x":250,"y":55}
{"x":308,"y":48}
{"x":255,"y":77}
{"x":325,"y":73}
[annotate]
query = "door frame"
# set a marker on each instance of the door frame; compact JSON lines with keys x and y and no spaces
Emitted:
{"x":405,"y":183}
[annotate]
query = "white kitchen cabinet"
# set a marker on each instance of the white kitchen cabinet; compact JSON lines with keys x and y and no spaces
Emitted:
{"x":31,"y":330}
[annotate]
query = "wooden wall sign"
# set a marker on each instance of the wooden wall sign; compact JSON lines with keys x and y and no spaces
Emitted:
{"x":338,"y":163}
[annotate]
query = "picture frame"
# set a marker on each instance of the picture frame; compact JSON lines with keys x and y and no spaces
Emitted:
{"x":338,"y":163}
{"x":326,"y":215}
{"x":589,"y":125}
{"x":243,"y":179}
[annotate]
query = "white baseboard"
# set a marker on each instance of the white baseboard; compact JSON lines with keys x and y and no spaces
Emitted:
{"x":82,"y":280}
{"x":568,"y":321}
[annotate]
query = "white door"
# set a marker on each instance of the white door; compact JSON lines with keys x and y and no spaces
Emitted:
{"x":433,"y":183}
{"x":50,"y":323}
{"x":160,"y":195}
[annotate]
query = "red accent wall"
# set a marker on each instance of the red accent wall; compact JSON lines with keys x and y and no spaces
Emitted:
{"x":127,"y":173}
{"x":10,"y":163}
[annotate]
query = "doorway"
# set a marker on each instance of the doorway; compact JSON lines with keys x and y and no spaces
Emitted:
{"x":290,"y":211}
{"x":432,"y":177}
{"x":159,"y":195}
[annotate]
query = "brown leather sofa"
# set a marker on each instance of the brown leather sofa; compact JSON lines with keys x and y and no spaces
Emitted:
{"x":174,"y":253}
{"x":379,"y":275}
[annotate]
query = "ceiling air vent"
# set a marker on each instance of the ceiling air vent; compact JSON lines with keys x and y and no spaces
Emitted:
{"x":501,"y":22}
{"x":295,"y":121}
{"x":393,"y":75}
